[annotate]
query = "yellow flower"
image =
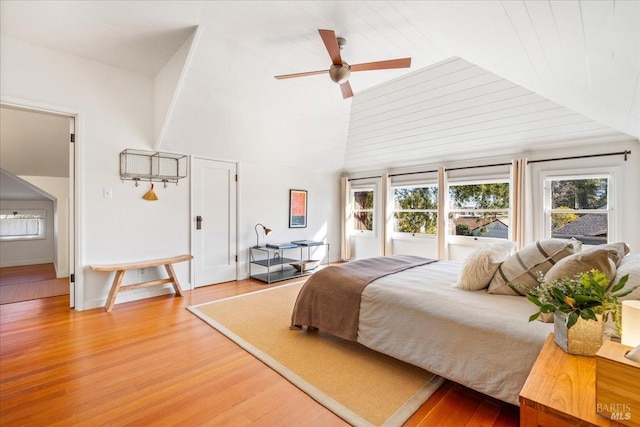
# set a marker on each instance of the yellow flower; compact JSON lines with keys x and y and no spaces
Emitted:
{"x":570,"y":301}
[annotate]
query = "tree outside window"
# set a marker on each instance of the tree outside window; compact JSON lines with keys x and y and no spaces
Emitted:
{"x":479,"y":209}
{"x":362,"y":211}
{"x":416,"y":210}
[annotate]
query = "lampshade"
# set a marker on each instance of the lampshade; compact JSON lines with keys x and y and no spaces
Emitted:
{"x":630,"y":323}
{"x":266,"y":230}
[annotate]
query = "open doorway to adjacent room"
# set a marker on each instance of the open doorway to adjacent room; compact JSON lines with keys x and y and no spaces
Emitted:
{"x":36,"y":204}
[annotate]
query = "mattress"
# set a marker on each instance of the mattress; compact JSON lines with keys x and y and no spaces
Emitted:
{"x":479,"y":340}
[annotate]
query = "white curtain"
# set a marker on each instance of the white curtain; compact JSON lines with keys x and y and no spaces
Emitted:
{"x":443,"y":213}
{"x":347,"y":220}
{"x":520,"y":229}
{"x":387,"y":210}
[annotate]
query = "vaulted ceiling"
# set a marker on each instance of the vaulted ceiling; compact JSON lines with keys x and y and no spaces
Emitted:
{"x":582,"y":55}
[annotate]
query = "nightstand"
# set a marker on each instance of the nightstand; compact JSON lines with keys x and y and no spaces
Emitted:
{"x":561,"y":391}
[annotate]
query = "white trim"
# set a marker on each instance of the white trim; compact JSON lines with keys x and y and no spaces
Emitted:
{"x":76,"y":288}
{"x":613,"y":190}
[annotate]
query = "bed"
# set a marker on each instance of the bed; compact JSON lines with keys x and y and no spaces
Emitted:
{"x":480,"y":340}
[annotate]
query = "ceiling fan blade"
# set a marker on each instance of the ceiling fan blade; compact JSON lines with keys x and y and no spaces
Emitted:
{"x":382,"y":65}
{"x":346,"y":90}
{"x":308,"y":73}
{"x":331,"y":43}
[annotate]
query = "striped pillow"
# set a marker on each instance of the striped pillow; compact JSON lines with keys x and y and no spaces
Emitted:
{"x":518,"y":273}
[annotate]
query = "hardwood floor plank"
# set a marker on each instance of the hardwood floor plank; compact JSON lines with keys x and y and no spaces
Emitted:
{"x":153,"y":360}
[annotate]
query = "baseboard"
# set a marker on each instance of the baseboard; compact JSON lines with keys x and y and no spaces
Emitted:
{"x":132,"y":295}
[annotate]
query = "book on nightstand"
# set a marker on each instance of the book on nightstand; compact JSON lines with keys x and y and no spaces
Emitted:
{"x":281,"y":245}
{"x":307,"y":243}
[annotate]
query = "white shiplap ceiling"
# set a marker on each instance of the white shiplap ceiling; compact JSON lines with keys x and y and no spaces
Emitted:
{"x":582,"y":55}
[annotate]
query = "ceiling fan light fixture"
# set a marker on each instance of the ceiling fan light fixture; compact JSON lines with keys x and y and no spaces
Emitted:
{"x":340,"y":73}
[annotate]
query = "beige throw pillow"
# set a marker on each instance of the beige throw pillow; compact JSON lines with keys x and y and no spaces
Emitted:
{"x":518,"y":273}
{"x":481,"y":264}
{"x":617,"y":251}
{"x":578,"y":263}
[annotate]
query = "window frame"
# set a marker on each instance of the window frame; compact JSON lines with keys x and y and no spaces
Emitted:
{"x":459,"y":239}
{"x":566,"y":175}
{"x":400,"y":235}
{"x":42,"y":224}
{"x":363,"y":233}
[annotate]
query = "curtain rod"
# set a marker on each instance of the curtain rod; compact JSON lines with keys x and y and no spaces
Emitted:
{"x":412,"y":173}
{"x":479,"y":166}
{"x":585,"y":156}
{"x":366,"y":177}
{"x":625,"y":153}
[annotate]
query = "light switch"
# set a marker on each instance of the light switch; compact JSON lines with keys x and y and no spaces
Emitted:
{"x":107,"y":193}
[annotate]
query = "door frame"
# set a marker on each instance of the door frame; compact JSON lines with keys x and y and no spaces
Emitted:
{"x":76,"y":178}
{"x":192,"y":214}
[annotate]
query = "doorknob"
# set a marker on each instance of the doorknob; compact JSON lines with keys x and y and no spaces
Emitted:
{"x":198,"y":222}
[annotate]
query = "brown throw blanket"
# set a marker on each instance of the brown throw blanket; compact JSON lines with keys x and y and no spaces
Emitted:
{"x":330,"y":299}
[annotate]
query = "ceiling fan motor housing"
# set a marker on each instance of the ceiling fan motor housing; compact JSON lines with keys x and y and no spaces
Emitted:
{"x":340,"y":73}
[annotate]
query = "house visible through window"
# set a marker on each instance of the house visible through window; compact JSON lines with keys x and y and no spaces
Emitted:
{"x":578,"y":207}
{"x":362,"y":202}
{"x":415,"y":210}
{"x":479,"y":209}
{"x":22,"y":224}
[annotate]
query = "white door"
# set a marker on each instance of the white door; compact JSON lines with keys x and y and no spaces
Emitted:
{"x":214,"y":221}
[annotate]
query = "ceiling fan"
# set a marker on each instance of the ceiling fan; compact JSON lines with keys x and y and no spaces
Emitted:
{"x":340,"y":70}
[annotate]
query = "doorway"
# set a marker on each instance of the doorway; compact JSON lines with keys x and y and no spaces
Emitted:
{"x":38,"y":153}
{"x":214,"y":221}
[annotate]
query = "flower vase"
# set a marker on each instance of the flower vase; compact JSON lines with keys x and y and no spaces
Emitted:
{"x":584,"y":338}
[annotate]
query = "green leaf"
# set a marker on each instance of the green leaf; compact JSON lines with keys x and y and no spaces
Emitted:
{"x":625,"y":293}
{"x":547,"y":308}
{"x":557,"y":293}
{"x":588,"y":314}
{"x":582,"y":299}
{"x":620,"y":284}
{"x":534,"y":300}
{"x":534,"y":316}
{"x":572,"y":319}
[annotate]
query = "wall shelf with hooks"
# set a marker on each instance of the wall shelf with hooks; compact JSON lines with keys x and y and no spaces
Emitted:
{"x":152,"y":166}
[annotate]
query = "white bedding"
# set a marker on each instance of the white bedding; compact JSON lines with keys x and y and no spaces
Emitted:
{"x":482,"y":341}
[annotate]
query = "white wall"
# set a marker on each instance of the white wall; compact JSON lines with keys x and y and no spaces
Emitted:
{"x":115,"y":112}
{"x":264,"y":198}
{"x":25,"y":252}
{"x":59,"y":188}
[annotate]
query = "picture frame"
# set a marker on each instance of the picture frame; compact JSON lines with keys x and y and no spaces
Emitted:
{"x":297,"y":208}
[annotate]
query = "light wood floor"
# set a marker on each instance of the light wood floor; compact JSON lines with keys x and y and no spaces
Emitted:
{"x":151,"y":362}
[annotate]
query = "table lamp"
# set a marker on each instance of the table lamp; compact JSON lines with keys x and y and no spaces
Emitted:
{"x":266,"y":230}
{"x":630,"y":323}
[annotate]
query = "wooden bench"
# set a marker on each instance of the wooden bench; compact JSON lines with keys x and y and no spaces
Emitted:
{"x":121,"y":268}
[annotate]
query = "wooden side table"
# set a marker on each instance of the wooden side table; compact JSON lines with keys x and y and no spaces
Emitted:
{"x":560,"y":391}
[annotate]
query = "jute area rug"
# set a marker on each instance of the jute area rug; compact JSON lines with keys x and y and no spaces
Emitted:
{"x":363,"y":387}
{"x":16,"y":292}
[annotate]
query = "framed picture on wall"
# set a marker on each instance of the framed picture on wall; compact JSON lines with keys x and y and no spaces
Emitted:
{"x":297,"y":208}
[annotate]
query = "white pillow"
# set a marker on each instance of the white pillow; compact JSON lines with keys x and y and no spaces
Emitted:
{"x":630,"y":265}
{"x":478,"y":268}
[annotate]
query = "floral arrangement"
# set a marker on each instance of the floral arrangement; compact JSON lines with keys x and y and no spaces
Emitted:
{"x":584,"y":296}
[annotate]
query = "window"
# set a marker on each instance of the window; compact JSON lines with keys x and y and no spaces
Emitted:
{"x":22,"y":225}
{"x":479,"y":209}
{"x":415,"y":210}
{"x":578,"y":207}
{"x":362,"y":202}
